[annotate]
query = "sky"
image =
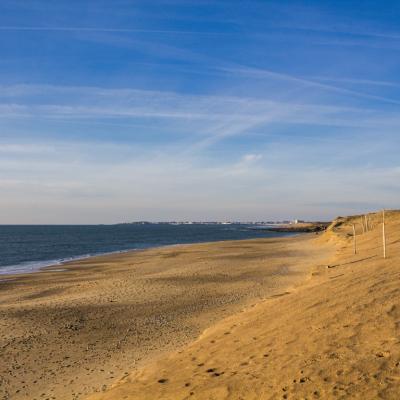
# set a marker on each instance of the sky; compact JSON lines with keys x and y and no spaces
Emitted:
{"x":123,"y":110}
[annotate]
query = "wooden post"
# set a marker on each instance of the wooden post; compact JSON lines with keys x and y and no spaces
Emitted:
{"x":366,"y":223}
{"x":354,"y":239}
{"x":362,"y":224}
{"x":383,"y":234}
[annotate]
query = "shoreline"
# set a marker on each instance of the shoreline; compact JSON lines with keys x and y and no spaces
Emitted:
{"x":43,"y":265}
{"x":113,"y":314}
{"x":50,"y":264}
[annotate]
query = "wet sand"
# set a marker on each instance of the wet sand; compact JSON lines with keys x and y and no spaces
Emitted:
{"x":68,"y":334}
{"x":337,"y":336}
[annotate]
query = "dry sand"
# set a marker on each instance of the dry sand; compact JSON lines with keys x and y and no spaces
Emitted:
{"x":335,"y":337}
{"x":64,"y":335}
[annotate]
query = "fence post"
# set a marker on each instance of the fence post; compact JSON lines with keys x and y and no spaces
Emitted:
{"x":383,"y":234}
{"x":354,"y":239}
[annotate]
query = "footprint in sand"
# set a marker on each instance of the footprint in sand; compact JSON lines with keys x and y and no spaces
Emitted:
{"x":381,"y":354}
{"x":213,"y":372}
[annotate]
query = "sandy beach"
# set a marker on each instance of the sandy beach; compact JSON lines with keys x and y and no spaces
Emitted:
{"x":287,"y":318}
{"x":335,"y":337}
{"x":67,"y":334}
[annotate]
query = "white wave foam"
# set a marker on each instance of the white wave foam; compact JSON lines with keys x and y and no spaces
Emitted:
{"x":33,"y":266}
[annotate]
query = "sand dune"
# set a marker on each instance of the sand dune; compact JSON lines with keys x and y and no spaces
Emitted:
{"x":335,"y":337}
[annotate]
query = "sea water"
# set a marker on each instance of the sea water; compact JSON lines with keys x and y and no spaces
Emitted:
{"x":31,"y":247}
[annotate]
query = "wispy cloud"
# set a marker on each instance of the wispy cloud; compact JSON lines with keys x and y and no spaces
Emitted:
{"x":247,"y":164}
{"x":261,"y":73}
{"x":346,"y":31}
{"x":203,"y":118}
{"x":355,"y":81}
{"x":111,"y":30}
{"x":25,"y":148}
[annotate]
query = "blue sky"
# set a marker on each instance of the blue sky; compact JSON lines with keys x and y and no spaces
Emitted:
{"x":177,"y":109}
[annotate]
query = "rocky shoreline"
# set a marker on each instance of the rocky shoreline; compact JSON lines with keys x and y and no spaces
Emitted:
{"x":307,"y":227}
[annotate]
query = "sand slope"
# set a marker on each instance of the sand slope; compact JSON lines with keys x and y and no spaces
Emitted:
{"x":338,"y":336}
{"x":64,"y":335}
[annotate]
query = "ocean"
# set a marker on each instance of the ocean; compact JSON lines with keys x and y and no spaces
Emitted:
{"x":31,"y":247}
